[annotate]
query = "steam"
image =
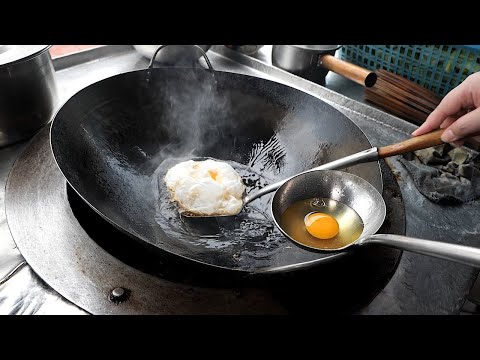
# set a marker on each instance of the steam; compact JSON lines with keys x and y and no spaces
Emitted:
{"x":193,"y":117}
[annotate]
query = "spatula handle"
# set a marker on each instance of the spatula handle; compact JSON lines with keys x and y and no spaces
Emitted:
{"x":412,"y":144}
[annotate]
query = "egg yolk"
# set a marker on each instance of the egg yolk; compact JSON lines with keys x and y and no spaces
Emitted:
{"x":213,"y":174}
{"x":321,"y":226}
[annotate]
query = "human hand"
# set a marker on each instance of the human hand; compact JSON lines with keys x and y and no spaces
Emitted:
{"x":458,"y":113}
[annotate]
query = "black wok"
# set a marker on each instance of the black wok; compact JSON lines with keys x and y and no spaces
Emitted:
{"x":115,"y":139}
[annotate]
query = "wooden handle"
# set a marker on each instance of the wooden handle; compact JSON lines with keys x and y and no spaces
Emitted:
{"x":412,"y":144}
{"x":350,"y":71}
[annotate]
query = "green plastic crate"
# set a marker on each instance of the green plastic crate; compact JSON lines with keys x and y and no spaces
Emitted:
{"x":438,"y":68}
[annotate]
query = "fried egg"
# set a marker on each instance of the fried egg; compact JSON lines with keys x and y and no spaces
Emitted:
{"x":205,"y":188}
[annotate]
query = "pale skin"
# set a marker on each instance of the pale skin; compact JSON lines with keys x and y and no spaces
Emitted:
{"x":458,"y":113}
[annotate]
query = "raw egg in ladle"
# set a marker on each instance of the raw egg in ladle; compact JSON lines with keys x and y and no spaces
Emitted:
{"x":321,"y":226}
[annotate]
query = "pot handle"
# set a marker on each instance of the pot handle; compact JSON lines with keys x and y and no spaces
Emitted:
{"x":209,"y":64}
{"x":350,"y":71}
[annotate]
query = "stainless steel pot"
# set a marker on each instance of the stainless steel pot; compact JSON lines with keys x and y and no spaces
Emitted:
{"x":28,"y":92}
{"x":302,"y":60}
{"x":313,"y":62}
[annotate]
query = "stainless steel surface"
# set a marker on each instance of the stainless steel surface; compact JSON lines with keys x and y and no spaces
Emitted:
{"x":174,"y":54}
{"x":21,"y":290}
{"x":461,"y":254}
{"x":11,"y":273}
{"x":10,"y":54}
{"x":318,"y":47}
{"x":354,"y":159}
{"x":245,"y":49}
{"x":421,"y":285}
{"x":28,"y":92}
{"x":303,"y":60}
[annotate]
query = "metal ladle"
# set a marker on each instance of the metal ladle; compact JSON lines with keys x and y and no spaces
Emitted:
{"x":368,"y":203}
{"x":373,"y":154}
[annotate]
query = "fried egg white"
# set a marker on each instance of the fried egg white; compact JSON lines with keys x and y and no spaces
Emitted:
{"x":205,"y":188}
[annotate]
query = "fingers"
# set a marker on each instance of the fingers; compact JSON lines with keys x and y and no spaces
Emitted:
{"x":466,"y":126}
{"x":455,"y":102}
{"x":432,"y":122}
{"x":458,"y":143}
{"x":447,"y":122}
{"x":476,"y":138}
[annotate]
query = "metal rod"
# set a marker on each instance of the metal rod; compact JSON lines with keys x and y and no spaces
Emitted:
{"x":357,"y":158}
{"x":458,"y":253}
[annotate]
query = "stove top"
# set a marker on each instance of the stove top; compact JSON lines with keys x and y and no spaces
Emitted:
{"x":103,"y":271}
{"x":97,"y":268}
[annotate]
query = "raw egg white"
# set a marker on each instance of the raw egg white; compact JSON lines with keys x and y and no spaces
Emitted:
{"x":205,"y":188}
{"x":322,"y":223}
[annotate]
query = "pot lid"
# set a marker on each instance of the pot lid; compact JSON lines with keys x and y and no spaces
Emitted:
{"x":319,"y":47}
{"x":12,"y":53}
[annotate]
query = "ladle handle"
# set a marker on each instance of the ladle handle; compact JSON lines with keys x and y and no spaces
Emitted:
{"x":412,"y":144}
{"x":350,"y":71}
{"x":458,"y":253}
{"x":357,"y":158}
{"x":373,"y":154}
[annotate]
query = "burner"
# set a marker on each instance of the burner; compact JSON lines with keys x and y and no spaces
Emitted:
{"x":104,"y":271}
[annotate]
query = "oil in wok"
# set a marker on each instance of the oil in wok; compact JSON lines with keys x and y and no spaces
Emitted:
{"x":333,"y":223}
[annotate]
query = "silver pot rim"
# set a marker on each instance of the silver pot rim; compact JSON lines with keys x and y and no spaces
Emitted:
{"x":12,"y":54}
{"x":318,"y":47}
